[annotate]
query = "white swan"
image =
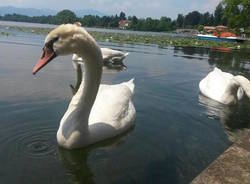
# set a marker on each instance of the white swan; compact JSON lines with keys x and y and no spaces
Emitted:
{"x":111,"y":58}
{"x":93,"y":113}
{"x":224,"y":87}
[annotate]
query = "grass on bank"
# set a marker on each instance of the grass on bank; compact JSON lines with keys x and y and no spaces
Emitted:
{"x":160,"y":40}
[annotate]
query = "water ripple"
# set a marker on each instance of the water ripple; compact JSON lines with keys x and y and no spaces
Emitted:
{"x":34,"y":142}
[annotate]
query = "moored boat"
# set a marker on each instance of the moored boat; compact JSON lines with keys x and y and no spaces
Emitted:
{"x":219,"y":38}
{"x":219,"y":33}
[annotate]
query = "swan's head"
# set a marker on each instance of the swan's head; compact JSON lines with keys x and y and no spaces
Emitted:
{"x":63,"y":40}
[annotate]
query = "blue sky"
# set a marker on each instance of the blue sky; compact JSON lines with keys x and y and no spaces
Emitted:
{"x":140,"y":8}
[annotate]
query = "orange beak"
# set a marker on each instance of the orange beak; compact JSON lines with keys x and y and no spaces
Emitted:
{"x":47,"y":55}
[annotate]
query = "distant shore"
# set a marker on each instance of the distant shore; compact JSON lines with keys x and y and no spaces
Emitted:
{"x":161,"y":40}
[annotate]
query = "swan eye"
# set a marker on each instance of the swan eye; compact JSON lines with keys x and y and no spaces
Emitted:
{"x":50,"y":43}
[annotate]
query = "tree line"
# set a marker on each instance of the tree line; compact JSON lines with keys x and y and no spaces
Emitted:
{"x":234,"y":13}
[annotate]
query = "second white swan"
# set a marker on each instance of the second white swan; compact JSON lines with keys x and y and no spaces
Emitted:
{"x":224,"y":87}
{"x":112,"y":60}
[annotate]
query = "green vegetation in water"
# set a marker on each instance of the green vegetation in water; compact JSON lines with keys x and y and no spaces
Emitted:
{"x":160,"y":40}
{"x":164,"y":40}
{"x":34,"y":30}
{"x":4,"y":34}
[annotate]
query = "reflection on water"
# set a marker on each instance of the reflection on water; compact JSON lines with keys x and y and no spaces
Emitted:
{"x":177,"y":134}
{"x":234,"y":118}
{"x":76,"y":164}
{"x":235,"y":62}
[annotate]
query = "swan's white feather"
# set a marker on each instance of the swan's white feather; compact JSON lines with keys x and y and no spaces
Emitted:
{"x":96,"y":112}
{"x":113,"y":106}
{"x":112,"y":113}
{"x":222,"y":87}
{"x":108,"y":53}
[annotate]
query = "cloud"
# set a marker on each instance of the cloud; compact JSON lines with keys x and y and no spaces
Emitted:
{"x":14,"y":2}
{"x":204,"y":6}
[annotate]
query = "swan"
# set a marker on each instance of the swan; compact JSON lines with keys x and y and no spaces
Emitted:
{"x":224,"y":87}
{"x":112,"y":59}
{"x":96,"y":112}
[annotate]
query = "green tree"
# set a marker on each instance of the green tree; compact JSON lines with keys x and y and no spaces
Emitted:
{"x":200,"y":28}
{"x":134,"y":22}
{"x":122,"y":16}
{"x":180,"y":21}
{"x":65,"y":16}
{"x":205,"y":19}
{"x":192,"y":18}
{"x":114,"y":22}
{"x":89,"y":21}
{"x":218,"y":15}
{"x":211,"y":20}
{"x":149,"y":23}
{"x":237,"y":13}
{"x":164,"y":24}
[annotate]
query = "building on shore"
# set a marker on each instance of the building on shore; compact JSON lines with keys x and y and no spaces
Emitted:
{"x":124,"y":24}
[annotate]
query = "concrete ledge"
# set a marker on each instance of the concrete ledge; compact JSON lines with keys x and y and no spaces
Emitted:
{"x":233,"y":166}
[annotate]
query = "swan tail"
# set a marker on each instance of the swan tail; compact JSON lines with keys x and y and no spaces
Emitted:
{"x":126,"y":54}
{"x":217,"y":69}
{"x":130,"y":84}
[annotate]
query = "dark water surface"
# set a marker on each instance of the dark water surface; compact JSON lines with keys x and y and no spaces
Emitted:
{"x":178,"y":132}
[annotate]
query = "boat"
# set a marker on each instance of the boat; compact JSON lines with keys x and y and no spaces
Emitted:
{"x":220,"y":38}
{"x":221,"y":49}
{"x":219,"y":33}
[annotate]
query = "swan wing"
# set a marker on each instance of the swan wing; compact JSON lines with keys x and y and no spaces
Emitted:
{"x":110,"y":54}
{"x":114,"y":106}
{"x":215,"y":84}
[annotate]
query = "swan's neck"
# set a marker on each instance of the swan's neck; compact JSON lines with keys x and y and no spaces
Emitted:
{"x":90,"y":85}
{"x":73,"y":131}
{"x":77,"y":115}
{"x":234,"y":90}
{"x":244,"y":83}
{"x":230,"y":94}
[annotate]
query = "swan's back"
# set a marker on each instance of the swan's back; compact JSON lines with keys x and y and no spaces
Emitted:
{"x":215,"y":84}
{"x":111,"y":54}
{"x":131,"y":85}
{"x":114,"y":106}
{"x":112,"y":113}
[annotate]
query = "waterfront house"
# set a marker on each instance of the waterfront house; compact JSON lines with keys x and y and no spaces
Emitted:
{"x":124,"y":24}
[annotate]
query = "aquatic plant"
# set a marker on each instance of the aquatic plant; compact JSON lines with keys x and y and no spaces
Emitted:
{"x":4,"y":34}
{"x":133,"y":38}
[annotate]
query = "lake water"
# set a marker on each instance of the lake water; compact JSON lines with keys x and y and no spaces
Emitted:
{"x":178,"y":132}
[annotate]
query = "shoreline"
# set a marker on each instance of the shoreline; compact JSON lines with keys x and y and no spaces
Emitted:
{"x":232,"y":166}
{"x":161,"y":40}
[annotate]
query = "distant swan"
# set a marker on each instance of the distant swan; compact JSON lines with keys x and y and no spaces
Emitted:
{"x":224,"y":87}
{"x":96,"y":112}
{"x":112,"y":59}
